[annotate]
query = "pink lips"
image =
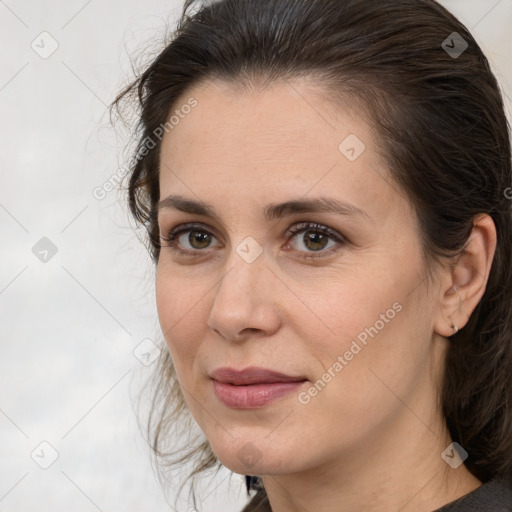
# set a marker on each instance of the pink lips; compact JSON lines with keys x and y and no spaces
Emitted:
{"x":252,"y":387}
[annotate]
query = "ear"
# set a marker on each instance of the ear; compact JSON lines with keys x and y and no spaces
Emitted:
{"x":465,"y":281}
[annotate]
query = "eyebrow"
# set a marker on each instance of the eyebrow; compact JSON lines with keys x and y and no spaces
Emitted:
{"x":271,"y":211}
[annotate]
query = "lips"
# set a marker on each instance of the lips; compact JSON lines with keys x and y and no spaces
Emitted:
{"x":253,"y":387}
{"x":252,"y":375}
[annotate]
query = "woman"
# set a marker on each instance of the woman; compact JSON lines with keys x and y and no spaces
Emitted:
{"x":325,"y":184}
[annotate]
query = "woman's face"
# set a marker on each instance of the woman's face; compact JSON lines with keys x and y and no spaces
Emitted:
{"x":335,"y":297}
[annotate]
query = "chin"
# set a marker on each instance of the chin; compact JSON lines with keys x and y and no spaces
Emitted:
{"x":251,"y":458}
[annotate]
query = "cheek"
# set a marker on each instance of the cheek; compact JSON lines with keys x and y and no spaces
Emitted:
{"x":377,"y":349}
{"x":350,"y":301}
{"x":179,"y":303}
{"x":370,"y":318}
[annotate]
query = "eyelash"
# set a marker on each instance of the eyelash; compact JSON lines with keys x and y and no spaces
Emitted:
{"x":172,"y":236}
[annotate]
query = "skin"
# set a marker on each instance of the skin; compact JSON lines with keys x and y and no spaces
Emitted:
{"x":372,"y":438}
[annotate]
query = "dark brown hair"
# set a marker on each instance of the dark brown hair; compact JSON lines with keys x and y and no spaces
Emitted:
{"x":441,"y":126}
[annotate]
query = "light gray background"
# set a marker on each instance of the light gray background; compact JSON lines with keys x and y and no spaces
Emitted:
{"x":70,"y":324}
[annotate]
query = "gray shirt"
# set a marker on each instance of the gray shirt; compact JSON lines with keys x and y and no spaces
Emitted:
{"x":493,"y":496}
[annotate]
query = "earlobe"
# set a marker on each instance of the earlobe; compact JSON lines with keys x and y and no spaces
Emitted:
{"x":466,"y":280}
{"x":452,"y":325}
{"x":450,"y":317}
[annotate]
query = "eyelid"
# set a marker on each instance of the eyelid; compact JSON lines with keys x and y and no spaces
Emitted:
{"x":315,"y":226}
{"x":188,"y":226}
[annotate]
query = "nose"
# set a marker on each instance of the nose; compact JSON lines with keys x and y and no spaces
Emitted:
{"x":245,"y":302}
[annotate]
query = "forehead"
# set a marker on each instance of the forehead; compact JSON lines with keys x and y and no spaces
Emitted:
{"x":287,"y":139}
{"x":282,"y":116}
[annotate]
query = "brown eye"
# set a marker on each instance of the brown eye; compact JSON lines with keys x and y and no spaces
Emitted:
{"x":199,"y":239}
{"x":314,"y":240}
{"x":189,"y":239}
{"x":310,"y":238}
